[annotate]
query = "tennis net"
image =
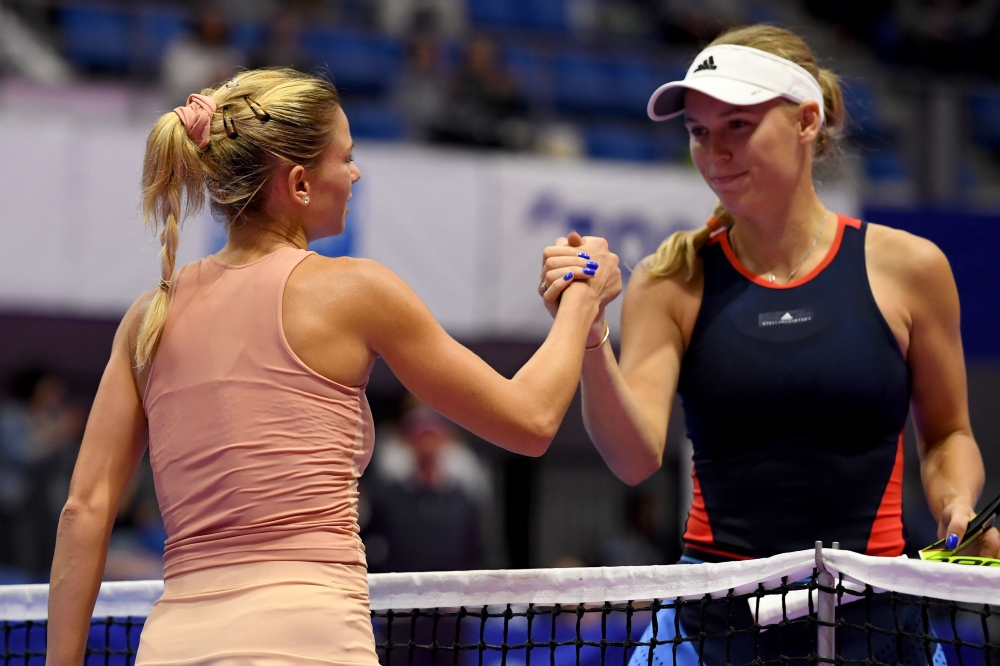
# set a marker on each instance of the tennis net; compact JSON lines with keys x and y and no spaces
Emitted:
{"x":807,"y":607}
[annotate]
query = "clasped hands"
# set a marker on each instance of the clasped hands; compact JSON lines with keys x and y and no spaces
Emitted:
{"x":576,"y":258}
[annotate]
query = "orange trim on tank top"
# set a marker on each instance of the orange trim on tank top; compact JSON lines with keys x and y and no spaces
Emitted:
{"x":886,"y":538}
{"x":697,"y":528}
{"x":842,"y":221}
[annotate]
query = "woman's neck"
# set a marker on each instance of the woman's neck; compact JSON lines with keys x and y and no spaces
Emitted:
{"x":775,"y":242}
{"x":252,"y":239}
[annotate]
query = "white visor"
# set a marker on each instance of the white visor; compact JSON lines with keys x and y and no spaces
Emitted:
{"x":737,"y":75}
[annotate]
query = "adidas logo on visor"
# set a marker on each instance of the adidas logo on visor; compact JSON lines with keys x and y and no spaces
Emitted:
{"x":707,"y":64}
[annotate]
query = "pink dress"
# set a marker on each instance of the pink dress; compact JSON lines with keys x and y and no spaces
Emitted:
{"x":256,"y":460}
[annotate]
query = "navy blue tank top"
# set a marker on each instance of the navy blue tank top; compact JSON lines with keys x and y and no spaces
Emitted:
{"x":795,"y":398}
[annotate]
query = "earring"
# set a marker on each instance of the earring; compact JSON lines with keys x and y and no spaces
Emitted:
{"x":306,"y":200}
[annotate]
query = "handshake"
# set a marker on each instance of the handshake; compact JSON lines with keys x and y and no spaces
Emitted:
{"x":583,"y":260}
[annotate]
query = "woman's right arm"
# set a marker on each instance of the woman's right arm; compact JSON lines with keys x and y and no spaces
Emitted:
{"x":626,"y":404}
{"x":521,"y":414}
{"x":112,"y":447}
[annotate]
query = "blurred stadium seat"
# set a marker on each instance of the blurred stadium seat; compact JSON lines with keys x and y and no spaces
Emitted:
{"x":359,"y":62}
{"x":886,"y":165}
{"x":371,"y":120}
{"x":864,"y":123}
{"x":152,"y":31}
{"x":984,"y":119}
{"x":616,"y":141}
{"x":546,"y":15}
{"x":583,"y":83}
{"x":532,"y":71}
{"x":96,"y":38}
{"x":634,"y":82}
{"x":247,"y":37}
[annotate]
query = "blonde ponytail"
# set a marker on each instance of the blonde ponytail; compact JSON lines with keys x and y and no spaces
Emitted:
{"x":679,"y":253}
{"x":172,"y":188}
{"x":259,"y":120}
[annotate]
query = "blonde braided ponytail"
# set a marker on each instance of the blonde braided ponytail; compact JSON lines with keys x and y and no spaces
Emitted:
{"x":263,"y":118}
{"x":172,"y":188}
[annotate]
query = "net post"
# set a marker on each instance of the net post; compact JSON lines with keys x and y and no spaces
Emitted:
{"x":825,"y":613}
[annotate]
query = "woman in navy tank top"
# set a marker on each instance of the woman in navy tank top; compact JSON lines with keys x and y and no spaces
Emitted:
{"x":797,"y":338}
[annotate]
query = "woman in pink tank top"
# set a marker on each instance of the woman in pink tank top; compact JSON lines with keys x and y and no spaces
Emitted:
{"x":245,"y":373}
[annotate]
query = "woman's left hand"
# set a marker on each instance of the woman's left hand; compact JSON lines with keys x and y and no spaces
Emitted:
{"x":955,"y":518}
{"x":569,"y":260}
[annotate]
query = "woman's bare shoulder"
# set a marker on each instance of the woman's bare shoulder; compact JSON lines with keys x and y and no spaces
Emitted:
{"x":675,"y":298}
{"x":354,"y":276}
{"x":361,"y":290}
{"x":905,"y":256}
{"x":646,"y":286}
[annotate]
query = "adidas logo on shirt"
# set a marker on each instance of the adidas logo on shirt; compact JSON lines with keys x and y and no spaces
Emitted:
{"x":707,"y":64}
{"x":784,"y":317}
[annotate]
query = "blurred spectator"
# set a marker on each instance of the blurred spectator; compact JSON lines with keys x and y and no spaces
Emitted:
{"x":424,"y":498}
{"x":959,"y":35}
{"x":859,"y":19}
{"x":698,"y":21}
{"x":625,"y":20}
{"x":249,"y":11}
{"x":485,"y":107}
{"x":282,"y":48}
{"x":193,"y":63}
{"x":439,"y":17}
{"x":420,"y":92}
{"x":38,"y":436}
{"x":636,"y":546}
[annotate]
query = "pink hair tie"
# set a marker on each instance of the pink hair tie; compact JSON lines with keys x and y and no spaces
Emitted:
{"x":196,"y":117}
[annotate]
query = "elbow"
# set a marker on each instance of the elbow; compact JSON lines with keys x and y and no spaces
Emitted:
{"x":638,"y":471}
{"x":73,"y":511}
{"x":77,"y":512}
{"x":537,"y":438}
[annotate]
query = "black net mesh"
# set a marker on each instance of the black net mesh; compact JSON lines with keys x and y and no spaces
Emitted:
{"x":869,"y":627}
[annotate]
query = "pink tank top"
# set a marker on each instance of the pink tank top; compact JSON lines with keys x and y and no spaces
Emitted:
{"x":255,"y":456}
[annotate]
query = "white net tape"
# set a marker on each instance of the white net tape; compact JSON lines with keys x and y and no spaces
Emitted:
{"x":453,"y":589}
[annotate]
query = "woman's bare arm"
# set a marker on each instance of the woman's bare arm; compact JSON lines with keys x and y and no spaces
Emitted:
{"x":521,"y":414}
{"x":113,"y":445}
{"x":626,"y":405}
{"x":951,"y":465}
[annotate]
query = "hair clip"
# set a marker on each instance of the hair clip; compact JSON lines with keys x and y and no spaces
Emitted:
{"x":228,"y":123}
{"x":232,"y":83}
{"x":258,"y":111}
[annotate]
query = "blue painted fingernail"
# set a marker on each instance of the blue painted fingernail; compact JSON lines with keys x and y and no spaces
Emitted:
{"x":583,"y":255}
{"x":568,"y":276}
{"x":589,"y":271}
{"x":951,"y":543}
{"x":592,"y":264}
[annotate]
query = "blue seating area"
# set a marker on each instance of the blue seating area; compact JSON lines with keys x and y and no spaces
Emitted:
{"x":152,"y":31}
{"x":97,"y":38}
{"x":603,"y":90}
{"x":375,"y":121}
{"x":360,"y":62}
{"x":984,"y":119}
{"x":635,"y":142}
{"x":546,"y":15}
{"x":578,"y":83}
{"x":886,"y":166}
{"x":117,"y":40}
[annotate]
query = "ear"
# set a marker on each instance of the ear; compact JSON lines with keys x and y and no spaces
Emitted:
{"x":809,"y":121}
{"x":298,"y":184}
